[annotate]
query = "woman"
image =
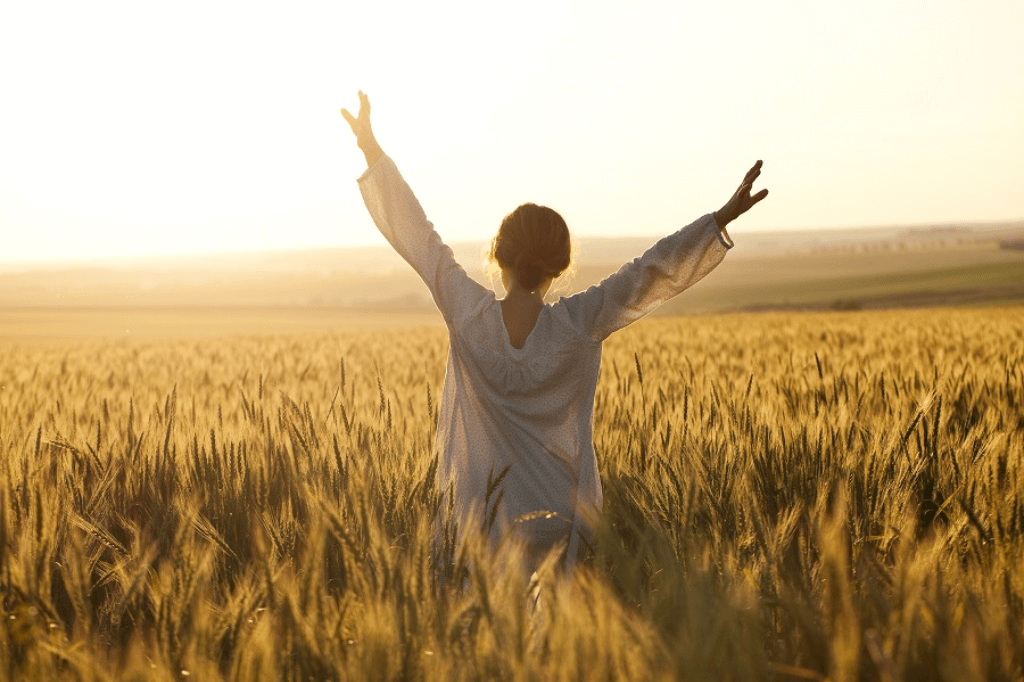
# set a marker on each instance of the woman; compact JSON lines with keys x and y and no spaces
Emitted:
{"x":519,"y":386}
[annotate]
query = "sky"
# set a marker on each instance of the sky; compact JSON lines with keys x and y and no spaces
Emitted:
{"x":137,"y":128}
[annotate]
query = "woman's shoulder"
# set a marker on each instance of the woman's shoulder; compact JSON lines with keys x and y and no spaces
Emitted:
{"x":566,"y":314}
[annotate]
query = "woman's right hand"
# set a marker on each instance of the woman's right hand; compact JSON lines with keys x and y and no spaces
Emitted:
{"x":360,"y":125}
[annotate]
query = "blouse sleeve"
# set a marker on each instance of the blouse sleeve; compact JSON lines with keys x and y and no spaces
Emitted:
{"x":400,"y":218}
{"x":673,"y":264}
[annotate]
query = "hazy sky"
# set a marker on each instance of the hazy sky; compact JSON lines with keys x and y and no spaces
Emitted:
{"x":149,"y":128}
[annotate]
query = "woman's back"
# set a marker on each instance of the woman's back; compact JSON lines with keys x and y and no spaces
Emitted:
{"x":520,"y":316}
{"x":523,"y":412}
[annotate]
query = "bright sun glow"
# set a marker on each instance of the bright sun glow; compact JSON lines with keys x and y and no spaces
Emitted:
{"x":134,"y":128}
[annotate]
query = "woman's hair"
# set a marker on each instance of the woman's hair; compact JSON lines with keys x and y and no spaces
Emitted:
{"x":534,"y":242}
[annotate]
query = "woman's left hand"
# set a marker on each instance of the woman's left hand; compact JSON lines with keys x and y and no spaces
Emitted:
{"x":741,"y":201}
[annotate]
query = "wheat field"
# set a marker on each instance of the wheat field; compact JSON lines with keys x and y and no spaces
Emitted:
{"x":787,"y":497}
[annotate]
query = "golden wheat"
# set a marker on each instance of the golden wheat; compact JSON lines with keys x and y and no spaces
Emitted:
{"x":787,"y":496}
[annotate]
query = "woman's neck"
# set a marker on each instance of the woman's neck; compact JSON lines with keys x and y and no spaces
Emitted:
{"x":520,"y":296}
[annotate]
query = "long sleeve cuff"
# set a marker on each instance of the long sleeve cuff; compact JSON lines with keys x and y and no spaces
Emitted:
{"x":723,"y":235}
{"x":370,"y":169}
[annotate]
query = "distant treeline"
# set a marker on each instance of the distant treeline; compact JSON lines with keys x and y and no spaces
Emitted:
{"x":1012,"y":244}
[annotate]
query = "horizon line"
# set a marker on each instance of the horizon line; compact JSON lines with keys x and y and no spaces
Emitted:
{"x":121,"y":259}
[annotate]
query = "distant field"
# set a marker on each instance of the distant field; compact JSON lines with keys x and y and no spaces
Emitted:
{"x":974,"y":275}
{"x":70,"y":325}
{"x":847,"y":270}
{"x":971,"y":274}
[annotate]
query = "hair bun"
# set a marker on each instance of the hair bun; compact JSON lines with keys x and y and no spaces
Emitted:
{"x":530,"y":270}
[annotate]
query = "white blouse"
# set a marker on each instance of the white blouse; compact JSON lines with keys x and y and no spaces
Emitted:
{"x":528,"y":409}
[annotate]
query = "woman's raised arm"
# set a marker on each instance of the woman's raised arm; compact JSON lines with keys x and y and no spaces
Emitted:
{"x":672,"y":265}
{"x":400,"y":218}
